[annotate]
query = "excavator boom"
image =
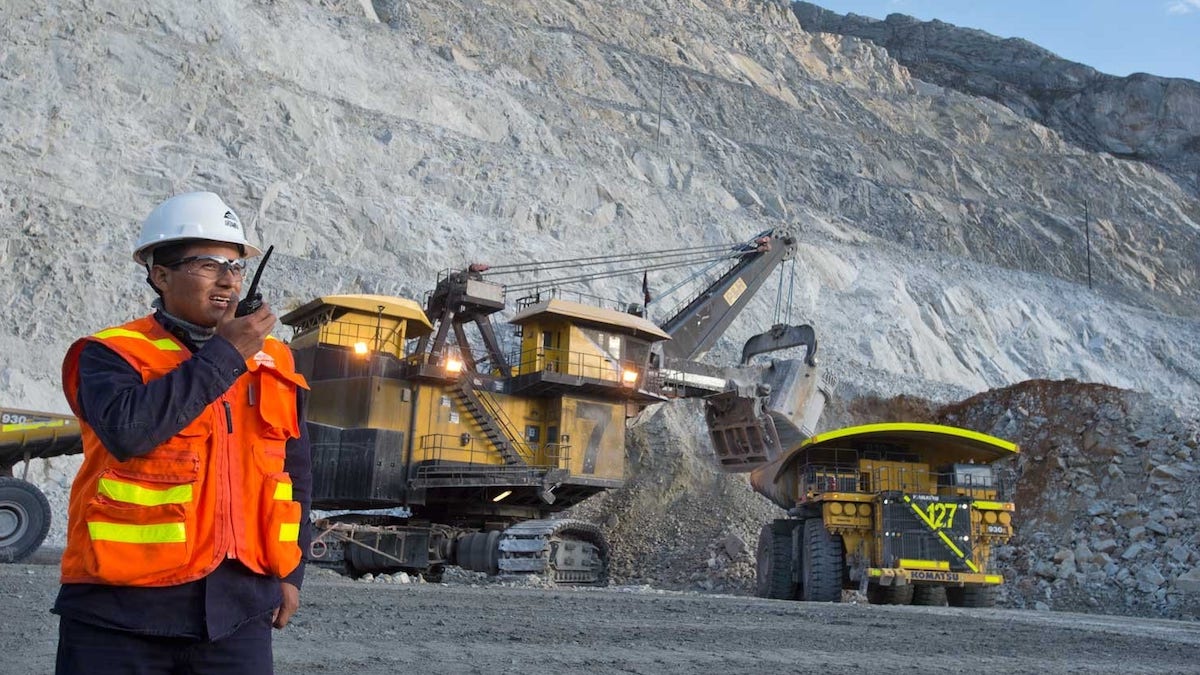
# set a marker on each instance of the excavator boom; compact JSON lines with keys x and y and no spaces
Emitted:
{"x":753,"y":413}
{"x":695,"y":328}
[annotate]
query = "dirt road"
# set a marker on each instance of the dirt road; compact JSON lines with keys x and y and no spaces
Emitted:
{"x":355,"y":627}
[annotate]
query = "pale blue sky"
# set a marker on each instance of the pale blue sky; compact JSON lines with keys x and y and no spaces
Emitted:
{"x":1119,"y":37}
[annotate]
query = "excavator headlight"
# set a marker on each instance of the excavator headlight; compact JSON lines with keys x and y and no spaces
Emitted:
{"x":360,"y":348}
{"x":454,"y":365}
{"x":629,"y":377}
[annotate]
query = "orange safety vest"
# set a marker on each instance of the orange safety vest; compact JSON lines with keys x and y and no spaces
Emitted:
{"x":216,"y":490}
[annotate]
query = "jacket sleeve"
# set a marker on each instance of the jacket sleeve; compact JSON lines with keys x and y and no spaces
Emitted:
{"x":130,"y":417}
{"x":298,"y":464}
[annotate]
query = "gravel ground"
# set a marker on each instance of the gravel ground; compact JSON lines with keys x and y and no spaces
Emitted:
{"x":364,"y":628}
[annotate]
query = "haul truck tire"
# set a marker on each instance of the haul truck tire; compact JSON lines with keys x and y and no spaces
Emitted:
{"x":774,"y":561}
{"x":929,"y":596}
{"x":891,"y":595}
{"x":971,"y":596}
{"x":24,"y":519}
{"x":822,"y":565}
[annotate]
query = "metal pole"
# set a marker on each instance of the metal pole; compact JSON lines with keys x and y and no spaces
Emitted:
{"x":662,"y":76}
{"x":1087,"y":233}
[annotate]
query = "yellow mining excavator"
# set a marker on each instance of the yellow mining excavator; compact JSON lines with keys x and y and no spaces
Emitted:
{"x":24,"y":510}
{"x":442,"y":439}
{"x":908,"y":513}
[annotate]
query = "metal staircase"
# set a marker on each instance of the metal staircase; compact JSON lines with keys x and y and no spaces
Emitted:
{"x":495,"y":424}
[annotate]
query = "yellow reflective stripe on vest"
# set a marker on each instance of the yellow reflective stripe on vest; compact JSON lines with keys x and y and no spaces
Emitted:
{"x":166,"y":533}
{"x":283,"y":492}
{"x":164,"y":344}
{"x":143,"y":496}
{"x":289,"y":532}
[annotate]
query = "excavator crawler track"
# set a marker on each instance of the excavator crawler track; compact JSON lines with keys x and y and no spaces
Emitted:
{"x":566,"y":552}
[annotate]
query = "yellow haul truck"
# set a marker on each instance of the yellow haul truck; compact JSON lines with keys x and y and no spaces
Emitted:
{"x":24,"y":510}
{"x":908,"y":513}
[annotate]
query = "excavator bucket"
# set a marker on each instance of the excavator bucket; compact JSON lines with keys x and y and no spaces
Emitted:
{"x":743,"y":436}
{"x":751,"y":425}
{"x":799,"y":391}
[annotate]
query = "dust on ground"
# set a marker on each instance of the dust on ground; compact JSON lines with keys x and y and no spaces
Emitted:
{"x":368,"y":628}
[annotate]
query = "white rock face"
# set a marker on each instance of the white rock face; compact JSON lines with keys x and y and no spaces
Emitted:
{"x":939,"y":245}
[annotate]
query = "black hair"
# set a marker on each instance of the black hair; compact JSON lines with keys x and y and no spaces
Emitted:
{"x":170,"y":253}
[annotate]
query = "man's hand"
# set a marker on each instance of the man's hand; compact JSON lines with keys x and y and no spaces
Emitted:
{"x":246,"y":333}
{"x":288,"y":606}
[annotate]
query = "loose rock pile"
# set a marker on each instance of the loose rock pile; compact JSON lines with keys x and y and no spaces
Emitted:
{"x":1107,"y":498}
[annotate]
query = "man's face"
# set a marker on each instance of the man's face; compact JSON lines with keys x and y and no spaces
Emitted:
{"x":201,"y":290}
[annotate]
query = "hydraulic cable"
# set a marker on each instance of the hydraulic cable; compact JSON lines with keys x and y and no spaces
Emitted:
{"x":519,"y":286}
{"x":683,"y":282}
{"x":613,"y":258}
{"x":580,"y":278}
{"x":791,"y":290}
{"x":676,"y":259}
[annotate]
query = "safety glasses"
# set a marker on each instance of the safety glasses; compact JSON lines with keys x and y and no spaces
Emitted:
{"x":210,"y":266}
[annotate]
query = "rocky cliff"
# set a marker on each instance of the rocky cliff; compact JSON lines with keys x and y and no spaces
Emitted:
{"x":1142,"y":117}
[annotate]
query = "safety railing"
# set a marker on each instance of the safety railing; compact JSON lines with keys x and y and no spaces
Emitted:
{"x":363,"y":335}
{"x":588,"y":365}
{"x":822,"y":478}
{"x":818,"y":478}
{"x":448,"y":455}
{"x":538,"y":295}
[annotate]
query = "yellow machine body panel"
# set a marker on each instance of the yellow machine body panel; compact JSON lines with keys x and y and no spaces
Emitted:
{"x":447,"y":431}
{"x":594,"y":430}
{"x":544,"y":346}
{"x":594,"y":354}
{"x":363,"y":323}
{"x":27,"y":434}
{"x":362,"y":402}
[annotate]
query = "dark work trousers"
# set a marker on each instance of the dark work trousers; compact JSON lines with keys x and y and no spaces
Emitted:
{"x":84,"y":648}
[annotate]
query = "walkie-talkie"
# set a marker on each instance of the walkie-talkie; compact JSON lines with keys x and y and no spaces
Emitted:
{"x":253,"y":299}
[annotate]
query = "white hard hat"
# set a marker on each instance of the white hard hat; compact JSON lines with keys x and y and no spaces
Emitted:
{"x":192,"y":215}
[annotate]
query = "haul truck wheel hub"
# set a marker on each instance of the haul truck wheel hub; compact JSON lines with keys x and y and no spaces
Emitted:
{"x":12,"y":521}
{"x":24,"y":519}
